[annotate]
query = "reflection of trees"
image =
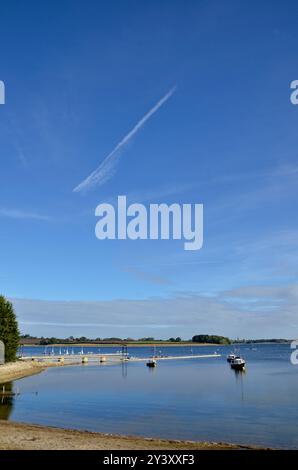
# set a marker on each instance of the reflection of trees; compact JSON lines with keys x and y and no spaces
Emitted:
{"x":6,"y":400}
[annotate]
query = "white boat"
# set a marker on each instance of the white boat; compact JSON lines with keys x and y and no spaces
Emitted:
{"x":231,"y":357}
{"x":238,"y":363}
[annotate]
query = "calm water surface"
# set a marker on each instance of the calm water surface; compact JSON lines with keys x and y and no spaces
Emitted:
{"x":198,"y":399}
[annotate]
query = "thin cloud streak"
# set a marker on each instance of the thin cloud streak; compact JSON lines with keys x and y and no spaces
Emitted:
{"x":107,"y":168}
{"x":19,"y":214}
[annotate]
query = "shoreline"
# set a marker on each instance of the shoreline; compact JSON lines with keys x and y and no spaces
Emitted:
{"x":20,"y":436}
{"x":20,"y":369}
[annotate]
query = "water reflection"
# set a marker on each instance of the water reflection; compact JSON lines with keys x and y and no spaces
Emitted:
{"x":197,"y":399}
{"x":239,"y":373}
{"x":152,"y":370}
{"x":239,"y":376}
{"x":124,"y":369}
{"x":6,"y":400}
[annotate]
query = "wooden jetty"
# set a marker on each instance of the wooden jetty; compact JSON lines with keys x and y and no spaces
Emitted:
{"x":167,"y":358}
{"x":74,"y":358}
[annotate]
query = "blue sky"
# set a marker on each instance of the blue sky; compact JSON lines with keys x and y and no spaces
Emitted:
{"x":79,"y":76}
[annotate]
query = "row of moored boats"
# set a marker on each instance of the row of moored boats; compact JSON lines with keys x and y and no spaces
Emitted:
{"x":236,"y":362}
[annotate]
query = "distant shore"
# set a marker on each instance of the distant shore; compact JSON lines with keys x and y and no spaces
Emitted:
{"x":119,"y":345}
{"x":17,"y":436}
{"x":135,"y":344}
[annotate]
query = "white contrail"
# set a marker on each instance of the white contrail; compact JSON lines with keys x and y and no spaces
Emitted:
{"x":107,"y":167}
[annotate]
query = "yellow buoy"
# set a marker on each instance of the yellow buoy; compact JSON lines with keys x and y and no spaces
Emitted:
{"x":85,"y":360}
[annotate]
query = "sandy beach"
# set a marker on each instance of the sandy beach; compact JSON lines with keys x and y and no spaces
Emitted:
{"x":17,"y":436}
{"x":18,"y":370}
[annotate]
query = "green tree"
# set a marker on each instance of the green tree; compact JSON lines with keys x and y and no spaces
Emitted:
{"x":9,"y":332}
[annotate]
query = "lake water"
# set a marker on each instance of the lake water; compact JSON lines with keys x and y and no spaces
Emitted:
{"x":197,"y":399}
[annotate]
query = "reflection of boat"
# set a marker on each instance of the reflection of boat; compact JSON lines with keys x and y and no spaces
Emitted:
{"x":238,"y":363}
{"x":151,"y":363}
{"x":231,"y":357}
{"x":239,"y":372}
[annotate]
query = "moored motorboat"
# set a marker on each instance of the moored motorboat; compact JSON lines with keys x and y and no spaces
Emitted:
{"x":151,"y":363}
{"x":231,"y":357}
{"x":238,"y":363}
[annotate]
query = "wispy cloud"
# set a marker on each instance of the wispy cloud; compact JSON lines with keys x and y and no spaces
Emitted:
{"x":247,"y":311}
{"x":20,"y":214}
{"x":107,"y":168}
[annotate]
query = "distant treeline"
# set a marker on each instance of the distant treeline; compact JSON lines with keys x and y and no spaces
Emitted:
{"x":28,"y":339}
{"x":213,"y":339}
{"x":203,"y":339}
